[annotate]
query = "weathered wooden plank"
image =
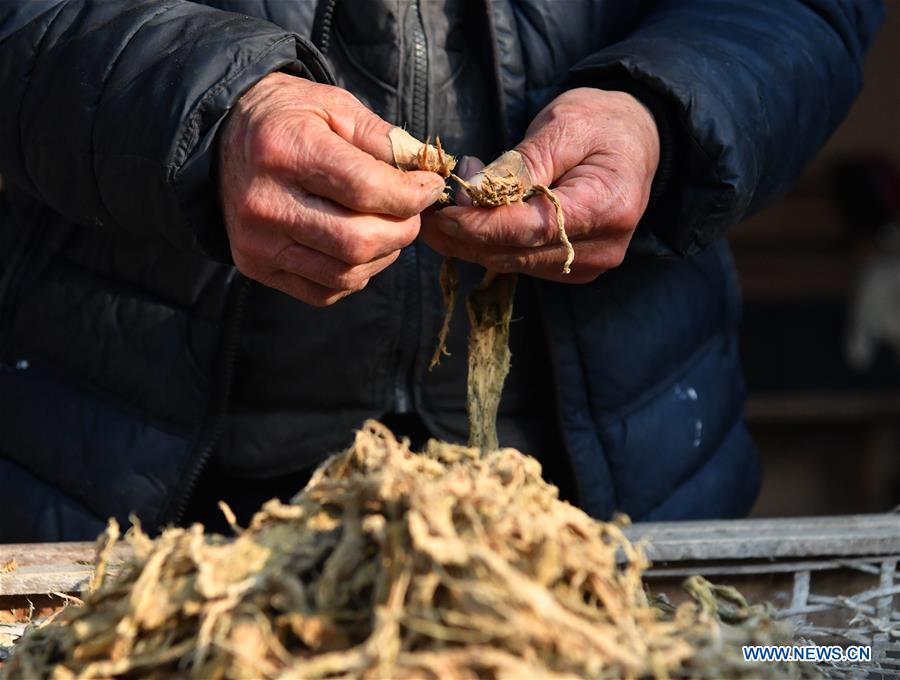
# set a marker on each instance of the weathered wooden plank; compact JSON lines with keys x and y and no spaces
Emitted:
{"x":814,"y":523}
{"x":51,"y":567}
{"x":756,"y":567}
{"x":45,"y":579}
{"x":26,"y":554}
{"x":66,"y":567}
{"x":850,"y":535}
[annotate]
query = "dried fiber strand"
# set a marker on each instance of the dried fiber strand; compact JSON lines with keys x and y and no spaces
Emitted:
{"x":449,"y":281}
{"x":560,"y":225}
{"x":489,"y":307}
{"x":106,"y":542}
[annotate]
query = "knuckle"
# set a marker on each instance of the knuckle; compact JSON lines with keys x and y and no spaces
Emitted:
{"x":409,"y":229}
{"x":507,"y":264}
{"x":246,"y":261}
{"x":285,"y":259}
{"x":258,"y":208}
{"x":548,"y":233}
{"x":342,"y":95}
{"x":615,"y":257}
{"x":369,"y":196}
{"x":537,"y":159}
{"x":629,"y":216}
{"x":412,"y":226}
{"x":242,"y":263}
{"x":564,"y":110}
{"x":266,"y":144}
{"x":346,"y":278}
{"x":480,"y":229}
{"x":360,"y":250}
{"x":328,"y":299}
{"x":625,"y":213}
{"x":318,"y":296}
{"x":358,"y":285}
{"x":369,"y":124}
{"x":579,"y":214}
{"x":242,"y":206}
{"x":257,"y":205}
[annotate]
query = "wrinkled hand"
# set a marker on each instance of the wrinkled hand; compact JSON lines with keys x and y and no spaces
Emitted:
{"x":312,"y":205}
{"x":598,"y":151}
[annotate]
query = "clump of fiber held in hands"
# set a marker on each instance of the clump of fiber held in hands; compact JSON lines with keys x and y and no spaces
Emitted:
{"x":489,"y":306}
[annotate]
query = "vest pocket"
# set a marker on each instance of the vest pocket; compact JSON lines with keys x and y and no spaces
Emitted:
{"x":669,"y":438}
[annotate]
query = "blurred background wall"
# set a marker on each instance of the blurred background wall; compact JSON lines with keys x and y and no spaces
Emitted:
{"x":821,"y":334}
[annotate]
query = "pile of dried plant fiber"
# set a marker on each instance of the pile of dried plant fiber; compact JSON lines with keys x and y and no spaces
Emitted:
{"x":393,"y":564}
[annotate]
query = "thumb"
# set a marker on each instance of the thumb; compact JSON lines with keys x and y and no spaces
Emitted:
{"x":551,"y":147}
{"x":508,"y":164}
{"x":467,"y":168}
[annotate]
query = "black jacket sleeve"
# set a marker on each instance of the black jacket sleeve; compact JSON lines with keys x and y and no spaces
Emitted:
{"x":109,"y":108}
{"x":747,"y":92}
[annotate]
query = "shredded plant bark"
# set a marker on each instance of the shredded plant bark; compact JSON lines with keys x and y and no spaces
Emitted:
{"x":105,"y":544}
{"x":507,"y":180}
{"x":560,"y":225}
{"x":411,"y":154}
{"x":449,"y":290}
{"x":392,"y":564}
{"x":489,"y":306}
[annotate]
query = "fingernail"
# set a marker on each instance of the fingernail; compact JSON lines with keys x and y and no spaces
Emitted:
{"x":446,"y":225}
{"x":468,"y":165}
{"x":439,"y":190}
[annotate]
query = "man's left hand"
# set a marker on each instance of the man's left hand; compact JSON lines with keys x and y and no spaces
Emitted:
{"x":598,"y":150}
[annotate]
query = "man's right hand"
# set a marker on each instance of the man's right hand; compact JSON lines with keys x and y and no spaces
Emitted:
{"x":312,"y":205}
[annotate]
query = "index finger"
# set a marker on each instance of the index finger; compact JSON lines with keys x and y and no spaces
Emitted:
{"x":333,"y":168}
{"x":527,"y":223}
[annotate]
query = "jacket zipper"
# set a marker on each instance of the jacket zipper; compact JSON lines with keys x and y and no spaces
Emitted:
{"x":236,"y":302}
{"x":404,"y":400}
{"x":419,"y":90}
{"x":323,"y":25}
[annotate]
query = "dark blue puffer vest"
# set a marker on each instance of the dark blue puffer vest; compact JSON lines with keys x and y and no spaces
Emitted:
{"x":120,"y":314}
